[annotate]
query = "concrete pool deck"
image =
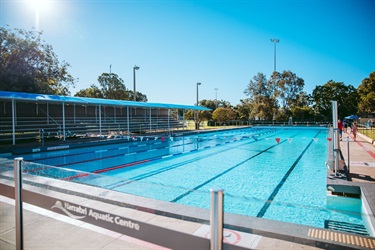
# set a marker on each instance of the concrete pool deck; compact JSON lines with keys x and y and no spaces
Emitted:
{"x":48,"y":230}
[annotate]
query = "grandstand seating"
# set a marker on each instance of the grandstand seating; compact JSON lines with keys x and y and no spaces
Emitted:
{"x":35,"y":123}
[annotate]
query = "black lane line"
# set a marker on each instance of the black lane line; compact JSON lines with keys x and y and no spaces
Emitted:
{"x":90,"y":152}
{"x":147,"y":143}
{"x":158,"y":171}
{"x":266,"y":205}
{"x":226,"y":171}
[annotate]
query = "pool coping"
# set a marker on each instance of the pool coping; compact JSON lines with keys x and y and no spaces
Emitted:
{"x":264,"y":227}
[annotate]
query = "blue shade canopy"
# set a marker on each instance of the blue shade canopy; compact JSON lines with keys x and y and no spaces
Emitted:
{"x":352,"y":117}
{"x":20,"y":96}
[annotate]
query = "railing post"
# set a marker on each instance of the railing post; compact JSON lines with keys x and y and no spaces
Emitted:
{"x":18,"y":202}
{"x":347,"y":143}
{"x":335,"y":137}
{"x":217,"y":219}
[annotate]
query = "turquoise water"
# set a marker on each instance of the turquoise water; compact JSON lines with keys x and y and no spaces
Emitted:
{"x":273,"y":173}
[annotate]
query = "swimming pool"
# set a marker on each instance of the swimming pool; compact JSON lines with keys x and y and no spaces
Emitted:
{"x":274,"y":173}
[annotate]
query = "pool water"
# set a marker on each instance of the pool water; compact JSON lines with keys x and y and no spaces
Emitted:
{"x":273,"y":173}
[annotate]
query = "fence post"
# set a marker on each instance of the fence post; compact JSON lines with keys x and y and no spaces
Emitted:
{"x":348,"y":154}
{"x":217,"y":219}
{"x":18,"y":202}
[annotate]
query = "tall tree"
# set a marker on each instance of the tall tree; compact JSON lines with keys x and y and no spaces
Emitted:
{"x":262,"y":97}
{"x":287,"y":86}
{"x":366,"y":92}
{"x":223,"y":114}
{"x":93,"y":92}
{"x":345,"y":95}
{"x":140,"y":97}
{"x":244,"y":109}
{"x":28,"y":64}
{"x":112,"y":87}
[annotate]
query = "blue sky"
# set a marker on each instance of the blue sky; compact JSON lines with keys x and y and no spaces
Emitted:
{"x":221,"y":44}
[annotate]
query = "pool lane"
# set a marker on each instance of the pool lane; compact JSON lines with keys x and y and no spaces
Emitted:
{"x":223,"y":173}
{"x":102,"y":160}
{"x":226,"y":147}
{"x":191,"y":172}
{"x":270,"y":199}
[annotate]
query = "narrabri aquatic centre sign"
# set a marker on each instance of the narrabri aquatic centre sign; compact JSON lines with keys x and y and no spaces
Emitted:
{"x":152,"y":233}
{"x":79,"y":212}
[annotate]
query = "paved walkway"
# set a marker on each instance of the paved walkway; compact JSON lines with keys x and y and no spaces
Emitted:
{"x":48,"y":230}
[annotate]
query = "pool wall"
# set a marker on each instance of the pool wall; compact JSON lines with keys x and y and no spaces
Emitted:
{"x":260,"y":226}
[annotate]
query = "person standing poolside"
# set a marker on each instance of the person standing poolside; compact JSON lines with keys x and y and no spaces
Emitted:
{"x":345,"y":127}
{"x":354,"y":130}
{"x":339,"y":126}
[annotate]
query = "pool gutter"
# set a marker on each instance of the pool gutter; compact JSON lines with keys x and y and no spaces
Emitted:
{"x":269,"y":228}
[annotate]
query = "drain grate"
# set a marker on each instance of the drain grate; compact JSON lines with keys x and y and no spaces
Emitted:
{"x":342,"y":238}
{"x":346,"y":227}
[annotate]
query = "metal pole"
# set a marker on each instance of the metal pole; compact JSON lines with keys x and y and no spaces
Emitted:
{"x":135,"y":92}
{"x":100,"y":120}
{"x":197,"y":116}
{"x":127,"y":119}
{"x":348,"y":154}
{"x":183,"y":120}
{"x":217,"y":219}
{"x":18,"y":202}
{"x":63,"y":116}
{"x":274,"y":62}
{"x":150,"y":120}
{"x":216,"y":89}
{"x":335,"y":136}
{"x":169,"y":127}
{"x":13,"y":121}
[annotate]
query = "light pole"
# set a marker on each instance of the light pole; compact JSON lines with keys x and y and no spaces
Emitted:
{"x":135,"y":93}
{"x":274,"y":53}
{"x":197,"y":119}
{"x":216,"y":89}
{"x":110,"y":69}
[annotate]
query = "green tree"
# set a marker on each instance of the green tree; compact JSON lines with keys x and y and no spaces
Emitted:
{"x":92,"y":92}
{"x":366,"y":92}
{"x":28,"y":64}
{"x":112,"y":87}
{"x":262,"y":97}
{"x":202,"y":115}
{"x":223,"y":114}
{"x":211,"y":104}
{"x":287,"y":87}
{"x":345,"y":95}
{"x":302,"y":113}
{"x":140,"y":97}
{"x":244,"y":109}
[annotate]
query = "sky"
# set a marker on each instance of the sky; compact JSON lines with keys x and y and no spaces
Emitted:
{"x":221,"y":44}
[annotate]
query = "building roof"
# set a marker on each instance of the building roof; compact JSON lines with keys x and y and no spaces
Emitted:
{"x":42,"y":98}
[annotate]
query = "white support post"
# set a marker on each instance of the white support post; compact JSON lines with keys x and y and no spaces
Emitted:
{"x":47,"y":113}
{"x":127,"y":119}
{"x":63,"y":116}
{"x":336,"y":137}
{"x":114,"y":112}
{"x":100,"y":120}
{"x":183,"y":119}
{"x":347,"y":144}
{"x":18,"y":202}
{"x":13,"y":121}
{"x":217,"y":219}
{"x":150,"y":120}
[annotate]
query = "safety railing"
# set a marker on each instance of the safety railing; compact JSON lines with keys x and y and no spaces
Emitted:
{"x":112,"y":221}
